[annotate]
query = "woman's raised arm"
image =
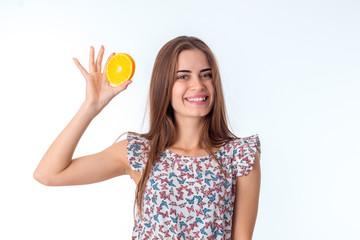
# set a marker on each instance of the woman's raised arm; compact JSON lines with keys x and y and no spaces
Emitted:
{"x":57,"y":166}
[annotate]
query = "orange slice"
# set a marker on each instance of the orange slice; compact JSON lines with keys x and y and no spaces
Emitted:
{"x":121,"y":67}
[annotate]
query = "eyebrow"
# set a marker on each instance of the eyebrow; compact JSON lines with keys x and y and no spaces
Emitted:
{"x":203,"y":70}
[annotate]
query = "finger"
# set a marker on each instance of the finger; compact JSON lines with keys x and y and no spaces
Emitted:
{"x":122,"y":86}
{"x":99,"y":59}
{"x":91,"y":60}
{"x":111,"y":55}
{"x":81,"y":68}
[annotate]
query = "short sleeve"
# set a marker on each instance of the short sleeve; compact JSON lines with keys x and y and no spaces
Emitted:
{"x":136,"y":151}
{"x":244,"y":150}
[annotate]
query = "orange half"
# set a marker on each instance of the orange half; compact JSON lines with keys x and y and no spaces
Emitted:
{"x":121,"y":67}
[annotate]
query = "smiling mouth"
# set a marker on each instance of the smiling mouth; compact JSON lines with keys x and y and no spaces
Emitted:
{"x":198,"y":99}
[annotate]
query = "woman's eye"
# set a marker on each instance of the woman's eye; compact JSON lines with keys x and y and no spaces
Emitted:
{"x":207,"y":75}
{"x":181,"y":77}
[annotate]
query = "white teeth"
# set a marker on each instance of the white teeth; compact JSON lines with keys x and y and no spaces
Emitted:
{"x":196,"y":99}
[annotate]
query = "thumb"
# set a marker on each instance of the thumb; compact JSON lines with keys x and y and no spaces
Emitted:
{"x":123,"y":86}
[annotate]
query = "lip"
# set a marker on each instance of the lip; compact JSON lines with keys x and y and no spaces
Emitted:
{"x":199,"y":103}
{"x":197,"y":96}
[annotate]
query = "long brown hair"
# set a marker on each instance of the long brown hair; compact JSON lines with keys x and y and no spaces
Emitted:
{"x":162,"y":130}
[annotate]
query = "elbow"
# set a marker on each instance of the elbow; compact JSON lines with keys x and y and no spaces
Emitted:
{"x":41,"y":178}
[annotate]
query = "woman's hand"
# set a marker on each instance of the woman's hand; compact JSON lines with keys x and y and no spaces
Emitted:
{"x":99,"y":92}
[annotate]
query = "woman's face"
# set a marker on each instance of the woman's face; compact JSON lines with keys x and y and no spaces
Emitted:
{"x":193,"y":90}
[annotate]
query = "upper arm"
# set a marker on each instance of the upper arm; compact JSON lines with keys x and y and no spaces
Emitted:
{"x":109,"y":163}
{"x":246,"y":202}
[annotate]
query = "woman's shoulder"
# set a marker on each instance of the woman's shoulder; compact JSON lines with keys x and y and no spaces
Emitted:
{"x":244,"y":142}
{"x":243,"y":154}
{"x":137,"y":147}
{"x":246,"y":139}
{"x":134,"y":136}
{"x":135,"y":143}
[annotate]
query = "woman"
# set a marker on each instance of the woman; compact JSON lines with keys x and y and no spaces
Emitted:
{"x":194,"y":178}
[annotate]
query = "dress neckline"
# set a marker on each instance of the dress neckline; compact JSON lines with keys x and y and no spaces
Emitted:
{"x":168,"y":151}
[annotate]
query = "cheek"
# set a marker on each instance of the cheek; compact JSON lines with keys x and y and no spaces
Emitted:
{"x":177,"y":91}
{"x":210,"y":87}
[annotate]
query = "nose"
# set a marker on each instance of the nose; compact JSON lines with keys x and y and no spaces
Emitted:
{"x":197,"y":83}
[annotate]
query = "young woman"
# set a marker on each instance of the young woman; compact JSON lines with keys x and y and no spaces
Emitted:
{"x":194,"y":178}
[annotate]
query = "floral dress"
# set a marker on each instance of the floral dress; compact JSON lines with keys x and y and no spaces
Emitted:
{"x":184,"y":197}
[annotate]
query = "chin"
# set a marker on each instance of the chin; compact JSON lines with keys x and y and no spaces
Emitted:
{"x":204,"y":114}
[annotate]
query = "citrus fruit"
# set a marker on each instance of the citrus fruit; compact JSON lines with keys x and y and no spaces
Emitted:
{"x":121,"y":67}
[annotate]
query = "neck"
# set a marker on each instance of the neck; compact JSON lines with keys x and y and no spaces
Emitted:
{"x":188,"y":133}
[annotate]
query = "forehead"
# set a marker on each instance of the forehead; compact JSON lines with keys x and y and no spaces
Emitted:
{"x":193,"y":59}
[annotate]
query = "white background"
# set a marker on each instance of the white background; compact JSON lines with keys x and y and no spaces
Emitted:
{"x":291,"y":73}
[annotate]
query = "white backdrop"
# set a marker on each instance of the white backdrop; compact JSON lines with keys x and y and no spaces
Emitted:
{"x":290,"y":71}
